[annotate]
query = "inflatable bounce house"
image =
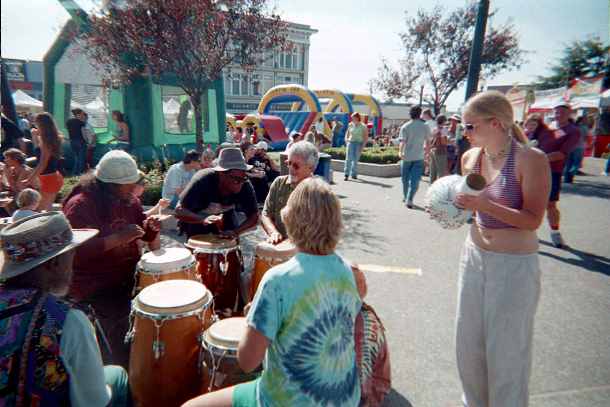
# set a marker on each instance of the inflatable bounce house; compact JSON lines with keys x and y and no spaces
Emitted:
{"x":159,"y":113}
{"x":300,"y":108}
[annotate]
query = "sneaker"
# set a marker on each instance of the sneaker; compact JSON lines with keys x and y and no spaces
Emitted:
{"x":410,"y":204}
{"x":346,"y":178}
{"x":354,"y":176}
{"x":557,"y":240}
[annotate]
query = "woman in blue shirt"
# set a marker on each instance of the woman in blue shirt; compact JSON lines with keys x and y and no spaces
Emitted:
{"x":301,"y":322}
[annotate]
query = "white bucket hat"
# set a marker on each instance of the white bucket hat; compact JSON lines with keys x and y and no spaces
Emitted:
{"x":117,"y":167}
{"x":36,"y":239}
{"x":262,"y":145}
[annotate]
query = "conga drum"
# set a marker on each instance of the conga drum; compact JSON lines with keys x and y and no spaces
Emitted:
{"x":167,"y":319}
{"x":219,"y":264}
{"x":173,"y":263}
{"x":266,"y":257}
{"x":219,"y":355}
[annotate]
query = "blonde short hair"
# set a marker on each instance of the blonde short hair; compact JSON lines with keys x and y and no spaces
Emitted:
{"x":494,"y":105}
{"x":28,"y":197}
{"x":312,"y":217}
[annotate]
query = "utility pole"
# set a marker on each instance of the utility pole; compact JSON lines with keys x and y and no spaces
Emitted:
{"x":474,"y":66}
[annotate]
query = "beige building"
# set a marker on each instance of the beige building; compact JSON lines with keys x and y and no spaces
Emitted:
{"x":243,"y":90}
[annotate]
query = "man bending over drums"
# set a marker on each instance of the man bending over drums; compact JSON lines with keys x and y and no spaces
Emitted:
{"x":302,"y":161}
{"x":104,"y":266}
{"x":48,"y":350}
{"x":211,"y":201}
{"x":302,"y":317}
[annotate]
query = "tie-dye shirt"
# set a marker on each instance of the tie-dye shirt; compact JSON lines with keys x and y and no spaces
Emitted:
{"x":306,"y":307}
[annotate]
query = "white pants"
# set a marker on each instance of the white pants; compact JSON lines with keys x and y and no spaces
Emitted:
{"x":497,"y":299}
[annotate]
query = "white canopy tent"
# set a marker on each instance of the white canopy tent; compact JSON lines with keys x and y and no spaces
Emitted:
{"x":24,"y":101}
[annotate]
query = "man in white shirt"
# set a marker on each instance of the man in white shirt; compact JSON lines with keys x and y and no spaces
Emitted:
{"x":413,"y":136}
{"x":66,"y":367}
{"x":179,"y":175}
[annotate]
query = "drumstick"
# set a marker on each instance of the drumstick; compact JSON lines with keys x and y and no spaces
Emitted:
{"x":377,"y":268}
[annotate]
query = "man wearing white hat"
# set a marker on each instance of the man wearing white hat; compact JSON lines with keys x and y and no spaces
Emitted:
{"x":103,"y":268}
{"x":48,"y":350}
{"x":211,"y":201}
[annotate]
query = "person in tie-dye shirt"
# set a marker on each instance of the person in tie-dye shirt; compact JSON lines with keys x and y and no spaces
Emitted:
{"x":301,"y":321}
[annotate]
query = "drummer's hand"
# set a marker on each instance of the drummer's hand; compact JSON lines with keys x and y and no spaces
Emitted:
{"x":131,"y":232}
{"x":247,"y":308}
{"x":227,"y":234}
{"x":275,"y":238}
{"x":212,"y":219}
{"x":152,"y":223}
{"x":164,"y":203}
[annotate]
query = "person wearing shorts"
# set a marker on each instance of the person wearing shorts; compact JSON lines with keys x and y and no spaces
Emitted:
{"x":557,"y":145}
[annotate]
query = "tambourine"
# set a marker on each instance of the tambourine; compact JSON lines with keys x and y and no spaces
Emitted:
{"x":441,"y":194}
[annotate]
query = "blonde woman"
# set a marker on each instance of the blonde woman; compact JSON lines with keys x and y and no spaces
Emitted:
{"x":499,"y":275}
{"x":302,"y":317}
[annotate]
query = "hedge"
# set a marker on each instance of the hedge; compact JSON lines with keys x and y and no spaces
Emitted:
{"x":373,"y":155}
{"x":152,"y":189}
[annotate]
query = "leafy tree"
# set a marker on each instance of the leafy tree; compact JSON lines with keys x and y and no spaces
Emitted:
{"x":190,"y":41}
{"x":436,"y":46}
{"x":587,"y":58}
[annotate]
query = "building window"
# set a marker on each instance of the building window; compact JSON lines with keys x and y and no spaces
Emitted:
{"x":235,"y":84}
{"x":244,"y":84}
{"x":256,"y":85}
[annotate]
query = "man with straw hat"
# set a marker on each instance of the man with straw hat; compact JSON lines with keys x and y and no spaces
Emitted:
{"x":48,"y":350}
{"x":212,"y":200}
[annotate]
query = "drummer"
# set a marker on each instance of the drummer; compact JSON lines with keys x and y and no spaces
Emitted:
{"x":104,"y":266}
{"x":216,"y":198}
{"x":302,"y":317}
{"x":302,"y":161}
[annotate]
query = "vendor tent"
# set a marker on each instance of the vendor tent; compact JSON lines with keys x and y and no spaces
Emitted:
{"x":23,"y":100}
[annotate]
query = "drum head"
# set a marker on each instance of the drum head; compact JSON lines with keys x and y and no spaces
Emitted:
{"x":226,"y":333}
{"x":210,"y":242}
{"x":165,"y":260}
{"x":172,"y":297}
{"x":283,"y":250}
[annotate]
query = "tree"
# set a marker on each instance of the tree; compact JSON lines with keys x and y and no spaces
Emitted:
{"x":189,"y":41}
{"x":436,"y":46}
{"x":580,"y":59}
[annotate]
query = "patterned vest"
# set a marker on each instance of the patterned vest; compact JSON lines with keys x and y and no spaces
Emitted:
{"x":31,"y":325}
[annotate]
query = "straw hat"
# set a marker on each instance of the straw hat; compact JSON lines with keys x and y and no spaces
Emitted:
{"x":36,"y":239}
{"x":117,"y":167}
{"x":231,"y":158}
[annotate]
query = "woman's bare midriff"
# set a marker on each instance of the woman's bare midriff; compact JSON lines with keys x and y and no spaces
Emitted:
{"x":509,"y":241}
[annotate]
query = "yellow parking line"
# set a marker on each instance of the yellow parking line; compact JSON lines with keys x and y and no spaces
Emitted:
{"x":377,"y":268}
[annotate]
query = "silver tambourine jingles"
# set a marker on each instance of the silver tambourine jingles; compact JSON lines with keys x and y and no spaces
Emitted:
{"x":442,"y":193}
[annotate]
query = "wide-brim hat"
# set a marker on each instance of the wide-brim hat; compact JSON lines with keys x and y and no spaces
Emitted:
{"x":231,"y":158}
{"x":33,"y":240}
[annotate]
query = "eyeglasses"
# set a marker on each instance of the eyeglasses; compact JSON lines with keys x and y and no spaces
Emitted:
{"x":293,"y":165}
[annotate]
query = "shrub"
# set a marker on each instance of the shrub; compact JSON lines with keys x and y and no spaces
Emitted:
{"x":152,"y":190}
{"x":372,"y":155}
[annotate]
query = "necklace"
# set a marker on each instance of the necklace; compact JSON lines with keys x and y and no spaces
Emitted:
{"x":500,"y":154}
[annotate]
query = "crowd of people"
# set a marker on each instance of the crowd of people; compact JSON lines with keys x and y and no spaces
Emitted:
{"x":301,"y":321}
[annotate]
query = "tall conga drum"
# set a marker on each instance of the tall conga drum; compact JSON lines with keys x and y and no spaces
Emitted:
{"x":219,"y":264}
{"x":173,"y":263}
{"x":219,"y":355}
{"x":167,"y":320}
{"x":267,"y":256}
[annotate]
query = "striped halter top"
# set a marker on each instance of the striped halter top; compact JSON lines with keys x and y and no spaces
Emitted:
{"x":505,"y":190}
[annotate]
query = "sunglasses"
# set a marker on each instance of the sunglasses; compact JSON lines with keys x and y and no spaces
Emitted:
{"x":469,"y":126}
{"x":238,"y":180}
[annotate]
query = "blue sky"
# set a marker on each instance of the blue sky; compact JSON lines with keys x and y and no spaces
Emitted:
{"x":354,"y":34}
